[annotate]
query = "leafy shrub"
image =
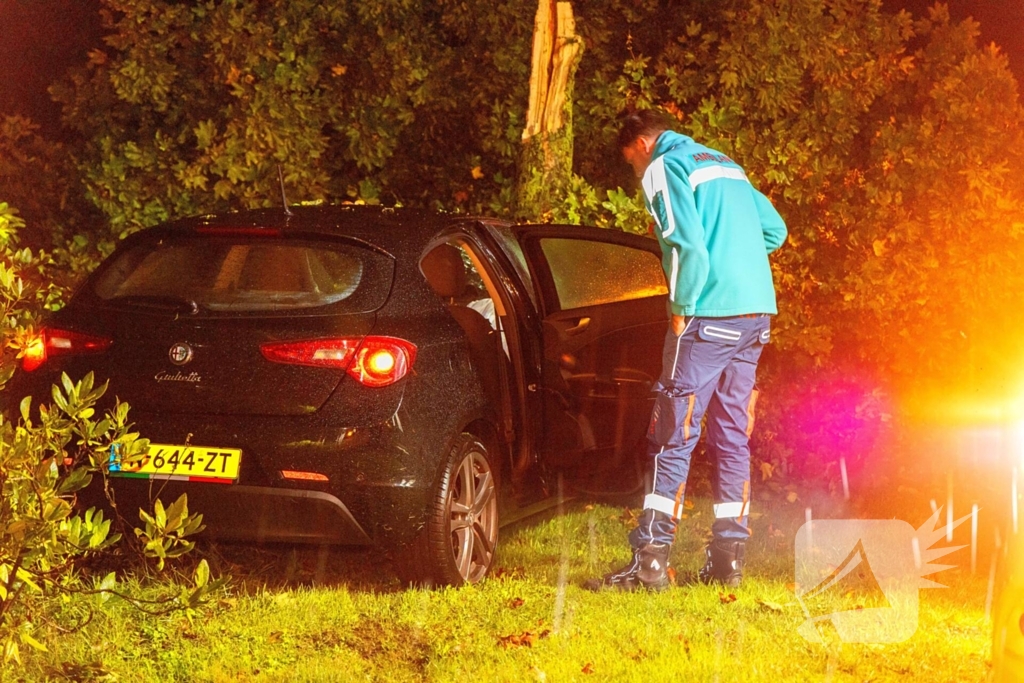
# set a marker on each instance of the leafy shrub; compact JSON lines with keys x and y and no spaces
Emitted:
{"x":49,"y":454}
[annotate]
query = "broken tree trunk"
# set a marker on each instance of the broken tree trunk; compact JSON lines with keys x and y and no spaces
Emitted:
{"x":545,"y":159}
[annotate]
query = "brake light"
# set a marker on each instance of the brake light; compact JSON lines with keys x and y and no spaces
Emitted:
{"x":372,"y":361}
{"x":381,"y":361}
{"x":50,"y":343}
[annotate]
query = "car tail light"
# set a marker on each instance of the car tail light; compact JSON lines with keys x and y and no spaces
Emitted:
{"x":50,"y":343}
{"x":381,"y":361}
{"x":319,"y":353}
{"x":372,"y":361}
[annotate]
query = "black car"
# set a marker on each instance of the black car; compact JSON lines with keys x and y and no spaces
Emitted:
{"x":356,"y":375}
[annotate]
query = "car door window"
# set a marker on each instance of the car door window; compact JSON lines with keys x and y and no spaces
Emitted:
{"x":509,"y":242}
{"x":590,"y":273}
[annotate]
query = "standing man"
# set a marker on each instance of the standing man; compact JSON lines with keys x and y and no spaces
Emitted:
{"x":715,"y":232}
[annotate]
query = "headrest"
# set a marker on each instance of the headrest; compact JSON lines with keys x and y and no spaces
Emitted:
{"x":445,"y":270}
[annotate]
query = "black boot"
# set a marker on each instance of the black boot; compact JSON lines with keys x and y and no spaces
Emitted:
{"x":724,"y":563}
{"x":623,"y":579}
{"x":653,"y":571}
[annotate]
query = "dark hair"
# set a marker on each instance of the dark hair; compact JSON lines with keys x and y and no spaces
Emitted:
{"x":639,"y":124}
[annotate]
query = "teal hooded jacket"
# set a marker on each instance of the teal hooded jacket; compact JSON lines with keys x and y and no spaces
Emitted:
{"x":714,"y":228}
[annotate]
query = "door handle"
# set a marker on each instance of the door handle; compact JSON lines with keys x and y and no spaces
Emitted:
{"x":580,"y":326}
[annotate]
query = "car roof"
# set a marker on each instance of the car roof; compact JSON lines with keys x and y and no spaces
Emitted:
{"x":392,"y":229}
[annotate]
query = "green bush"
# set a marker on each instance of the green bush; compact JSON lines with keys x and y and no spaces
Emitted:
{"x":48,"y":454}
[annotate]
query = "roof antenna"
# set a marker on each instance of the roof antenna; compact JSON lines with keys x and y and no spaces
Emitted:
{"x":284,"y":199}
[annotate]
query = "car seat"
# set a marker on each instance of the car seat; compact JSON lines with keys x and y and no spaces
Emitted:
{"x":445,"y":272}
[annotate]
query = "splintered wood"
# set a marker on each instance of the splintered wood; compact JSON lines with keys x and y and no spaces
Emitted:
{"x":556,"y":48}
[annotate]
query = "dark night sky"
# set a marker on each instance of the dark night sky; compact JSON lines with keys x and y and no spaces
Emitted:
{"x":39,"y":39}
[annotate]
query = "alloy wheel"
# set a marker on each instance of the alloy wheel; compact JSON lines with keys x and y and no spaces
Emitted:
{"x":473,"y":516}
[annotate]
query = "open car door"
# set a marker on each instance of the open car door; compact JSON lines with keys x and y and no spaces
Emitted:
{"x":604,"y":308}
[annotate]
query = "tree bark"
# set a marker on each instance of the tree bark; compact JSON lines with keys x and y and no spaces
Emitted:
{"x":545,"y":158}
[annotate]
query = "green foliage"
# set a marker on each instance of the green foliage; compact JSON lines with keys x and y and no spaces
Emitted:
{"x":898,"y":170}
{"x":166,"y":530}
{"x":191,"y":108}
{"x":44,"y":463}
{"x":47,"y":456}
{"x":38,"y":177}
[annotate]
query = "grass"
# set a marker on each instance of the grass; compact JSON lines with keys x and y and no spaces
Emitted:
{"x":329,"y":616}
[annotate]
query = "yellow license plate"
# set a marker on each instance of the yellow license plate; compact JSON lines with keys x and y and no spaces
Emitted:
{"x":183,"y":463}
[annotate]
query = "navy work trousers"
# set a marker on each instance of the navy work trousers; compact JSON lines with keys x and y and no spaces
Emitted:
{"x":709,"y":369}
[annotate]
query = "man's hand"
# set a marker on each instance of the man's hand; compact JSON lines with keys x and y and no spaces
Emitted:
{"x":678,"y":324}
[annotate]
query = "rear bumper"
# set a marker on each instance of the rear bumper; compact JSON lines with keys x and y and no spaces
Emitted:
{"x":246,"y":513}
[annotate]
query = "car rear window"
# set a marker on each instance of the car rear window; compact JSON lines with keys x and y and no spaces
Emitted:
{"x":247,"y":275}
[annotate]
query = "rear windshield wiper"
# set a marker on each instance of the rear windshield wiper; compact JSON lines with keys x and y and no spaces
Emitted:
{"x":163,"y":301}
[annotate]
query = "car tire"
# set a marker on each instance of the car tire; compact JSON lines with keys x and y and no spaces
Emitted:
{"x":456,"y":546}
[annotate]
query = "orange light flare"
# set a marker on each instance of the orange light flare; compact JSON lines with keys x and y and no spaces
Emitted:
{"x":978,"y":434}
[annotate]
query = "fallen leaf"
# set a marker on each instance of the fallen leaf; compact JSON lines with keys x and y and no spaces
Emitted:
{"x":791,"y":587}
{"x":275,"y":636}
{"x":687,"y":504}
{"x":515,"y":603}
{"x":338,"y":70}
{"x":792,"y":497}
{"x":588,"y":668}
{"x":629,"y":518}
{"x":588,"y":508}
{"x":671,"y":575}
{"x":726,"y":599}
{"x":767,"y":470}
{"x":511,"y":640}
{"x":477,"y":173}
{"x":769,"y":605}
{"x":524,"y":639}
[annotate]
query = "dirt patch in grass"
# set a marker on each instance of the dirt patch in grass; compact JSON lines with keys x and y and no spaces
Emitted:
{"x":390,"y":645}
